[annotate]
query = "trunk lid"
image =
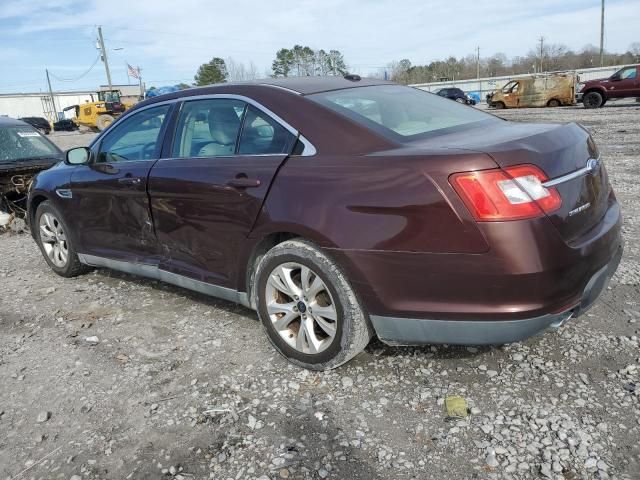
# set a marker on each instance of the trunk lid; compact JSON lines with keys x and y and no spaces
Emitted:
{"x":558,"y":150}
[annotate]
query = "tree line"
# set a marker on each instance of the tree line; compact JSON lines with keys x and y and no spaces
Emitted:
{"x":299,"y":61}
{"x":305,"y":61}
{"x":552,"y":57}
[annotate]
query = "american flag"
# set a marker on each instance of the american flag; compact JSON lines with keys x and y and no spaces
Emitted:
{"x":133,"y":71}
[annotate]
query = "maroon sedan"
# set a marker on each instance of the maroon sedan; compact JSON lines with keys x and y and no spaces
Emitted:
{"x":339,"y":209}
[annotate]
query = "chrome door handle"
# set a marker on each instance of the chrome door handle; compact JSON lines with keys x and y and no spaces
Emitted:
{"x":129,"y":180}
{"x":243,"y":182}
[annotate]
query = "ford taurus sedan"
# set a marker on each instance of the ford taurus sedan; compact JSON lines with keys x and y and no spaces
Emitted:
{"x":339,"y":209}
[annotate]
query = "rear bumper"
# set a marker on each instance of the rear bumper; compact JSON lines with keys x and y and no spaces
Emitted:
{"x":420,"y":331}
{"x":530,"y":279}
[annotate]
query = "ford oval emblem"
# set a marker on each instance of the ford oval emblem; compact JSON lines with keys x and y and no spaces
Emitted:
{"x":593,"y":164}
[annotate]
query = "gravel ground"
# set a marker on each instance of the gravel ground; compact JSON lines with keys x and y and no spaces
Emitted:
{"x":110,"y":376}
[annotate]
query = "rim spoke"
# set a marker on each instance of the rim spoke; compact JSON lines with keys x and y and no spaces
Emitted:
{"x":49,"y":221}
{"x":315,"y":288}
{"x":305,"y":277}
{"x":282,"y":322}
{"x":46,"y":235}
{"x":313,"y":342}
{"x":328,"y":327}
{"x":301,"y":339}
{"x":325,"y":312}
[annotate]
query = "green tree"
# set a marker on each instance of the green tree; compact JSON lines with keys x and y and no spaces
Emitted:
{"x":282,"y":65}
{"x":213,"y":72}
{"x":303,"y":61}
{"x":183,"y":86}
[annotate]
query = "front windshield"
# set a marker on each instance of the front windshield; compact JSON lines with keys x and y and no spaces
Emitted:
{"x":109,"y":96}
{"x":402,"y":113}
{"x":23,"y":142}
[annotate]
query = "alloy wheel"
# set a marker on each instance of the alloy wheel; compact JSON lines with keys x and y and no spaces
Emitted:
{"x":54,"y":240}
{"x":301,"y":308}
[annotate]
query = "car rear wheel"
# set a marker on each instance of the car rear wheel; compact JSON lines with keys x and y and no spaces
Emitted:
{"x":499,"y":105}
{"x":592,"y":100}
{"x":309,"y":311}
{"x":554,"y":102}
{"x":461,"y":100}
{"x":54,"y":242}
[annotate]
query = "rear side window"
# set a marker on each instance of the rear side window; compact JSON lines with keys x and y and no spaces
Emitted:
{"x":261,"y":135}
{"x":400,"y":112}
{"x":208,"y":128}
{"x":221,"y":127}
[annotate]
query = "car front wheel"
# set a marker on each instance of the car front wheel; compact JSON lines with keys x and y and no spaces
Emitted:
{"x":54,"y":242}
{"x":592,"y":100}
{"x":309,"y":311}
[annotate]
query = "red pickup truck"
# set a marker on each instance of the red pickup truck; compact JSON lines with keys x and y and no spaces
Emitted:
{"x":622,"y":84}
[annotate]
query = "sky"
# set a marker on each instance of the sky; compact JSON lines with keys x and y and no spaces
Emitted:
{"x":169,"y":40}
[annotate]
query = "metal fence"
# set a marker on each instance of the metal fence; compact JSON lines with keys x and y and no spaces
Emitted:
{"x":479,"y":87}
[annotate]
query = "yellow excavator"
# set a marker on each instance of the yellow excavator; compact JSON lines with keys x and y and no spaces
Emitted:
{"x":98,"y":115}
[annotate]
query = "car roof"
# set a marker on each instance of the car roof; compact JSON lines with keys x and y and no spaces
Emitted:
{"x":12,"y":122}
{"x":310,"y":85}
{"x":297,"y":85}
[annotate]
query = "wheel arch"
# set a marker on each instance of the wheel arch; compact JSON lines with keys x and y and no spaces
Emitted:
{"x":34,"y":202}
{"x":597,"y":89}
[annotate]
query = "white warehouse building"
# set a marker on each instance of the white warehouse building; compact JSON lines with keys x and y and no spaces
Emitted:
{"x":17,"y":105}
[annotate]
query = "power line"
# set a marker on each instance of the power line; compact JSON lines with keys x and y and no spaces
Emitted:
{"x":78,"y":77}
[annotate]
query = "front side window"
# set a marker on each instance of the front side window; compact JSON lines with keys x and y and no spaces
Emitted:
{"x":399,"y":112}
{"x":208,"y":128}
{"x":136,"y":138}
{"x":510,"y":87}
{"x":628,"y":73}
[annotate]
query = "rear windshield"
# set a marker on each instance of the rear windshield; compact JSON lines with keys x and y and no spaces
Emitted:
{"x":402,"y":113}
{"x":24,"y":142}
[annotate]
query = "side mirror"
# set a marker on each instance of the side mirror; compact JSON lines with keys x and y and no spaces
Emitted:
{"x":78,"y":156}
{"x":615,"y":78}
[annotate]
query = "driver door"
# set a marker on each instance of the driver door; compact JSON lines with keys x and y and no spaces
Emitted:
{"x":626,"y":84}
{"x":112,"y":216}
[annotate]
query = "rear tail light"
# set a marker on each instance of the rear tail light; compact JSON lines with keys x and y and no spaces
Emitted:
{"x":513,"y":193}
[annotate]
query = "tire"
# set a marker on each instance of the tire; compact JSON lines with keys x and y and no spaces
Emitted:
{"x":335,"y":297}
{"x":49,"y":218}
{"x":554,"y":102}
{"x":461,"y":100}
{"x":593,"y":100}
{"x":103,"y":121}
{"x":499,"y":105}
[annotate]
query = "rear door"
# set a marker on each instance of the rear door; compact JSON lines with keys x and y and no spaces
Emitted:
{"x":206,"y":196}
{"x":112,"y":217}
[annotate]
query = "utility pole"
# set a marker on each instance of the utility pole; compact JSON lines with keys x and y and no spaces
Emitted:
{"x":53,"y":102}
{"x":602,"y":36}
{"x":478,"y":62}
{"x":103,"y":52}
{"x":541,"y":53}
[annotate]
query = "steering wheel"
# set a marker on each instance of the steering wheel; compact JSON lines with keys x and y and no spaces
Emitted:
{"x":148,"y":150}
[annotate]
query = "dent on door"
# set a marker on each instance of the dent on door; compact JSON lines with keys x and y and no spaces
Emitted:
{"x":113,"y":212}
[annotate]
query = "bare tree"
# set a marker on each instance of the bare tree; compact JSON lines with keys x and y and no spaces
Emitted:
{"x":237,"y":71}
